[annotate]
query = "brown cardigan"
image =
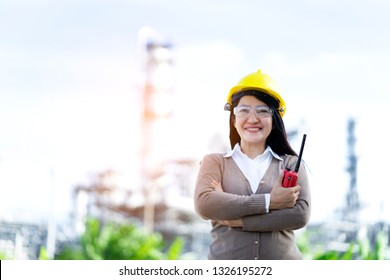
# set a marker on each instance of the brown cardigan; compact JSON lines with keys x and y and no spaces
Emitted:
{"x":264,"y":235}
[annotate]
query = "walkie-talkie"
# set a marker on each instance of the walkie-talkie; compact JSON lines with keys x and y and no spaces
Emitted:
{"x":291,"y":177}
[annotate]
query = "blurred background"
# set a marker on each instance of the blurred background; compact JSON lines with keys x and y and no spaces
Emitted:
{"x":107,"y":107}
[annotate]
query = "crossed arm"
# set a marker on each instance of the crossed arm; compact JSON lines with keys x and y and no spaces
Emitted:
{"x":280,"y":198}
{"x":289,"y":208}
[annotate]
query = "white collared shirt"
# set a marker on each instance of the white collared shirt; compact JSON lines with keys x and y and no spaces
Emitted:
{"x":253,"y":169}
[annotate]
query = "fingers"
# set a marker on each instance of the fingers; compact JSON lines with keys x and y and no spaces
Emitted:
{"x":217,"y":185}
{"x":232,"y":223}
{"x":284,"y":197}
{"x":296,"y":192}
{"x":296,"y":189}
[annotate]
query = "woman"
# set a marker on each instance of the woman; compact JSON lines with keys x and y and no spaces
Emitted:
{"x":252,"y":215}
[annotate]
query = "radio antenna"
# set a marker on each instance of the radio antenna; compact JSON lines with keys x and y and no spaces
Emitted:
{"x":300,"y":153}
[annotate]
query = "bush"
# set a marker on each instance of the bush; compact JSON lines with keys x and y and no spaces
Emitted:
{"x":113,"y":241}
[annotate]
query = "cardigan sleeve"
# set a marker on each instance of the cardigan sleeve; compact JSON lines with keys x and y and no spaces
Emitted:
{"x":216,"y":205}
{"x":284,"y":219}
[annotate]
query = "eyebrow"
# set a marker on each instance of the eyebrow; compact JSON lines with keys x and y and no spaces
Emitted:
{"x":262,"y":105}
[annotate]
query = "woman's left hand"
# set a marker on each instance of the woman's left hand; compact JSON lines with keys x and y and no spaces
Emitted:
{"x":233,"y":223}
{"x":217,"y":186}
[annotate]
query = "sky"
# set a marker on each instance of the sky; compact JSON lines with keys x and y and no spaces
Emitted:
{"x":70,"y":98}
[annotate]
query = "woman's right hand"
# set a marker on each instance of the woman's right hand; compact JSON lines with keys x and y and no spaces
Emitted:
{"x":281,"y":197}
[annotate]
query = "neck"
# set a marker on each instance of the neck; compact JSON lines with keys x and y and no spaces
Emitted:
{"x":252,"y":151}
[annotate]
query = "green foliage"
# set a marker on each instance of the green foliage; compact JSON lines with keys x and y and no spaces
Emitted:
{"x":334,"y":255}
{"x":360,"y":250}
{"x":3,"y":256}
{"x":379,"y":251}
{"x":43,"y":254}
{"x":113,"y":241}
{"x":174,"y":250}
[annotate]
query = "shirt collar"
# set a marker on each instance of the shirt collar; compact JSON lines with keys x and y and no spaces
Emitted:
{"x":237,"y":149}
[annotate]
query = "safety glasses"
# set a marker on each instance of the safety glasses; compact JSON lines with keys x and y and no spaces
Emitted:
{"x":261,"y":111}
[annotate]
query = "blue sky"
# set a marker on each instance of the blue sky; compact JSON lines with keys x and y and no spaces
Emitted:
{"x":69,"y":99}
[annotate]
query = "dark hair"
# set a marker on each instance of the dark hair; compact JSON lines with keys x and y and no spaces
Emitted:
{"x":277,"y":139}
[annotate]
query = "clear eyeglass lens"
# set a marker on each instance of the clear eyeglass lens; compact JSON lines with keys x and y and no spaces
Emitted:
{"x":260,"y":111}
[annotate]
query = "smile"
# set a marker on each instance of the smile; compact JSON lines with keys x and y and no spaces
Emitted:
{"x":254,"y":129}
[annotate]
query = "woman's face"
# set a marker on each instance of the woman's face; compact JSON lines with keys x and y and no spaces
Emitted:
{"x":253,"y":128}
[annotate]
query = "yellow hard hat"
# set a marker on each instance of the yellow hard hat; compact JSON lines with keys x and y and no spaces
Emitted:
{"x":258,"y":81}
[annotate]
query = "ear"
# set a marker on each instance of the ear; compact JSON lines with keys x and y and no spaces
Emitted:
{"x":232,"y":120}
